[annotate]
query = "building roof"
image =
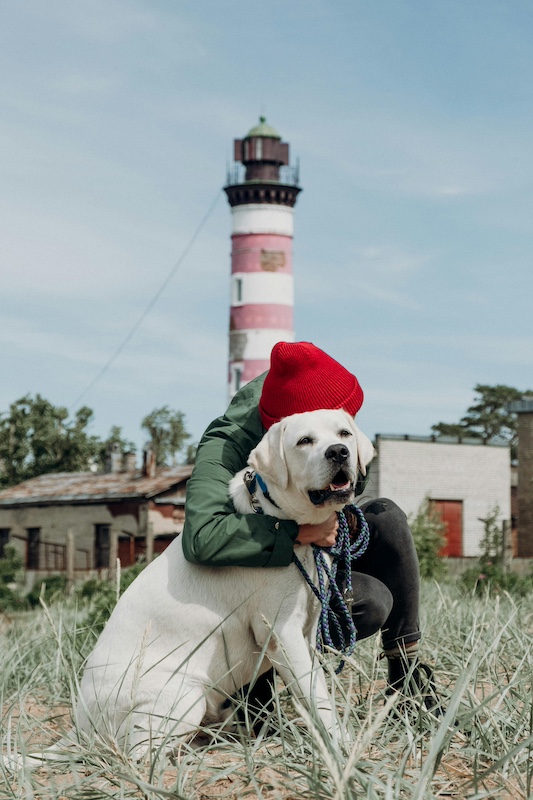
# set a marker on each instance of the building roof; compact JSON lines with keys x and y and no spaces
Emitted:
{"x":263,"y":129}
{"x":407,"y":437}
{"x":88,"y":487}
{"x":524,"y":406}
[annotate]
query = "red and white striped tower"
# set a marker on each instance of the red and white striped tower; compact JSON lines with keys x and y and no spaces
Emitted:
{"x":262,"y":189}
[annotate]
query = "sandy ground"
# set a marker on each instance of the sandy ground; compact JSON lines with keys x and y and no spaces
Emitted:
{"x":213,"y":772}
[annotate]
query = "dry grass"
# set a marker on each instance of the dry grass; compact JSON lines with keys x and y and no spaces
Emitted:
{"x":482,"y":650}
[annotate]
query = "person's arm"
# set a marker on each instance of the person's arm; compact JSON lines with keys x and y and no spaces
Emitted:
{"x":213,"y":533}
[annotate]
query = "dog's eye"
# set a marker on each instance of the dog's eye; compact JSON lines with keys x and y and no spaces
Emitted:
{"x":344,"y":433}
{"x":305,"y":440}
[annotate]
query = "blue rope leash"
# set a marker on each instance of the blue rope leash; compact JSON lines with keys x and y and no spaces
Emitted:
{"x":344,"y":634}
{"x":336,"y":628}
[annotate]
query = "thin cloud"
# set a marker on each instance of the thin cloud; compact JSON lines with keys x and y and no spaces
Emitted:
{"x":387,"y":260}
{"x":379,"y":273}
{"x":493,"y":349}
{"x":98,"y":84}
{"x":430,"y":156}
{"x":386,"y":297}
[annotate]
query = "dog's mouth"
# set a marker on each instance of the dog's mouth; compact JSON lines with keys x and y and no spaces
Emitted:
{"x":338,"y":490}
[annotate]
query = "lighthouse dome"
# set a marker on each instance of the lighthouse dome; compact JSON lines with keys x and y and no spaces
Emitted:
{"x":263,"y":129}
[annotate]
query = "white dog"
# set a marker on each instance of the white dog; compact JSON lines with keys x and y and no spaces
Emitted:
{"x":184,"y":638}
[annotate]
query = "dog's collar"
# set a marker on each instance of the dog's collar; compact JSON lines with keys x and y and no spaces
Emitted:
{"x":252,"y":481}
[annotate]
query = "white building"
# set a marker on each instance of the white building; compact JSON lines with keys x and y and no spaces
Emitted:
{"x":464,"y":479}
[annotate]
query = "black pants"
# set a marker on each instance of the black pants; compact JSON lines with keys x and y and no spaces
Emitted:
{"x":386,"y":580}
{"x":386,"y":586}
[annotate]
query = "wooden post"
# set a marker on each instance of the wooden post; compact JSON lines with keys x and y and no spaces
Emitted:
{"x":507,"y":546}
{"x":70,"y":556}
{"x":113,"y":554}
{"x":149,"y":542}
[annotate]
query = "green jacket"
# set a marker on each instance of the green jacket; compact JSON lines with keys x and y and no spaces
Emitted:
{"x":214,"y":534}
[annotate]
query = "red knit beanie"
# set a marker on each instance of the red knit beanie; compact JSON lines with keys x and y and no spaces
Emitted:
{"x":304,"y":378}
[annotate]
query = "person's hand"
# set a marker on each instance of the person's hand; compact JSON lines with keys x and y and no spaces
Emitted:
{"x":323,"y":535}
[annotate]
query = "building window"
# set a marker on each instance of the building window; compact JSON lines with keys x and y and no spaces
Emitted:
{"x":34,"y":546}
{"x":102,"y":541}
{"x":4,"y":540}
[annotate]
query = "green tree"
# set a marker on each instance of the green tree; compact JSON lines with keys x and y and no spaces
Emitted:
{"x":190,"y":453}
{"x":37,"y":437}
{"x":488,"y":418}
{"x":455,"y":429}
{"x":167,"y":433}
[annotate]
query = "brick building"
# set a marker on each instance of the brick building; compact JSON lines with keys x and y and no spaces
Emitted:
{"x":524,"y":409}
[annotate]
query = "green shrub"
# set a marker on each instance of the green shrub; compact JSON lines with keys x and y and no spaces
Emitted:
{"x":11,"y":566}
{"x":489,"y":575}
{"x":101,"y":595}
{"x":51,"y":589}
{"x":97,"y":594}
{"x":492,"y":579}
{"x":428,"y":531}
{"x":11,"y":579}
{"x":11,"y":600}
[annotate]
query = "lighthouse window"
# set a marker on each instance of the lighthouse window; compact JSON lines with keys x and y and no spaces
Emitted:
{"x":238,"y":378}
{"x":238,"y":290}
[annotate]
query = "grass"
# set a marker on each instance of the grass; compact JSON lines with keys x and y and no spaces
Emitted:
{"x":482,"y":651}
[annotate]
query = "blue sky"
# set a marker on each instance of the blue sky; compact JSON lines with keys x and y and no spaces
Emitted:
{"x":413,"y":248}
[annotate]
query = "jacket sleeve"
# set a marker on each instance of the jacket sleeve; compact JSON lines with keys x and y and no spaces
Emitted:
{"x":213,"y":533}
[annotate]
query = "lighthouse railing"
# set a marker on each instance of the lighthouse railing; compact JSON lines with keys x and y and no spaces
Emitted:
{"x":288,"y":175}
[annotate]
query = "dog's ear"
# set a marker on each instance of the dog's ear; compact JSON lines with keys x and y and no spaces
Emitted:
{"x":365,"y":450}
{"x":268,"y":458}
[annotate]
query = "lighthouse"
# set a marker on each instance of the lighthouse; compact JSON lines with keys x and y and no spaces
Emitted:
{"x":262,"y":189}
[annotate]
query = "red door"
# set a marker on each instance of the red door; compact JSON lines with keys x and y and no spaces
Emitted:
{"x":126,"y":550}
{"x":451,"y":512}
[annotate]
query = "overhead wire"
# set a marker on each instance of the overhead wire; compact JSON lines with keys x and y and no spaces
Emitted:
{"x":150,"y":305}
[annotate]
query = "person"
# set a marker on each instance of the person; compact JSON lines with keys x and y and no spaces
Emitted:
{"x":385,"y":579}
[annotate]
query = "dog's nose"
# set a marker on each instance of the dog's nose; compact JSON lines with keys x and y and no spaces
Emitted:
{"x":337,"y":452}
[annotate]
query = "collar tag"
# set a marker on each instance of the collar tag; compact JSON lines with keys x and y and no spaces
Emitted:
{"x":250,"y":480}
